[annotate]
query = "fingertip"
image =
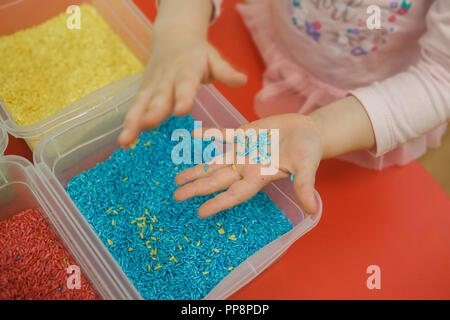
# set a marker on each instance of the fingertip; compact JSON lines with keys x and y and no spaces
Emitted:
{"x":233,"y":79}
{"x":177,"y":197}
{"x":122,"y":139}
{"x":179,"y":179}
{"x":126,"y":138}
{"x":223,"y":71}
{"x":307,"y":201}
{"x":311,"y":205}
{"x":131,"y":127}
{"x":240,"y":79}
{"x":184,"y":177}
{"x":203,"y":212}
{"x":185,"y":92}
{"x":304,"y":192}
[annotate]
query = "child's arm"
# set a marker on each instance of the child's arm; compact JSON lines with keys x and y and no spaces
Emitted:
{"x":344,"y":126}
{"x":417,"y":100}
{"x":181,"y":59}
{"x":335,"y":129}
{"x":379,"y":117}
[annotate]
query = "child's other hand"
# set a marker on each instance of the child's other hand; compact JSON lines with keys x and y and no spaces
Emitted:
{"x":300,"y":152}
{"x":179,"y":63}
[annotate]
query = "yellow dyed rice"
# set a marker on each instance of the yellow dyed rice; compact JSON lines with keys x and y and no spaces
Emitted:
{"x":133,"y":145}
{"x":158,"y":266}
{"x":47,"y":67}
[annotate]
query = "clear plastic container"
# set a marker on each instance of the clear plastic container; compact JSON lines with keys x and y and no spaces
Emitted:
{"x":124,"y":18}
{"x":3,"y":140}
{"x":80,"y":145}
{"x":21,"y":189}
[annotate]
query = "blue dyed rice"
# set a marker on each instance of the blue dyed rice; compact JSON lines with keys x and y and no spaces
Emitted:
{"x":102,"y":187}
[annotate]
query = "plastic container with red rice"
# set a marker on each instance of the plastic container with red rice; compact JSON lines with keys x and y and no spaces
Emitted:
{"x":33,"y":260}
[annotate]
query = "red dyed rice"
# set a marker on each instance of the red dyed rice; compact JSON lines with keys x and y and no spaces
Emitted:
{"x":40,"y":272}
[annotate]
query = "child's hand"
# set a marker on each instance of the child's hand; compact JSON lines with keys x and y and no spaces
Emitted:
{"x":179,"y":63}
{"x":300,"y":152}
{"x":340,"y":127}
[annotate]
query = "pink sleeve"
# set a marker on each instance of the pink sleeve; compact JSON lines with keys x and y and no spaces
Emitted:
{"x":413,"y":102}
{"x":216,"y":10}
{"x":217,"y":6}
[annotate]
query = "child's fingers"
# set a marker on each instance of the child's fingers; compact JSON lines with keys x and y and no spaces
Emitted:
{"x":304,"y":189}
{"x":218,"y":181}
{"x":223,"y":72}
{"x":184,"y":98}
{"x":186,"y":87}
{"x":190,"y":174}
{"x":196,"y":172}
{"x":131,"y":128}
{"x":160,"y":107}
{"x":239,"y":192}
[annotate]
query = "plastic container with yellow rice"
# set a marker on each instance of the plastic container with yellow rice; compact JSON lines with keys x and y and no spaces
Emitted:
{"x":50,"y":73}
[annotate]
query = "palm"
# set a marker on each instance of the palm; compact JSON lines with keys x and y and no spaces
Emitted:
{"x":299,"y":153}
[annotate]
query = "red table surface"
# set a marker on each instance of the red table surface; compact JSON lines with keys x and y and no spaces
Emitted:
{"x":397,"y":219}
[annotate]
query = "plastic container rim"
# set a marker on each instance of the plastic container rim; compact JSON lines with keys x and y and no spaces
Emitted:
{"x":4,"y":139}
